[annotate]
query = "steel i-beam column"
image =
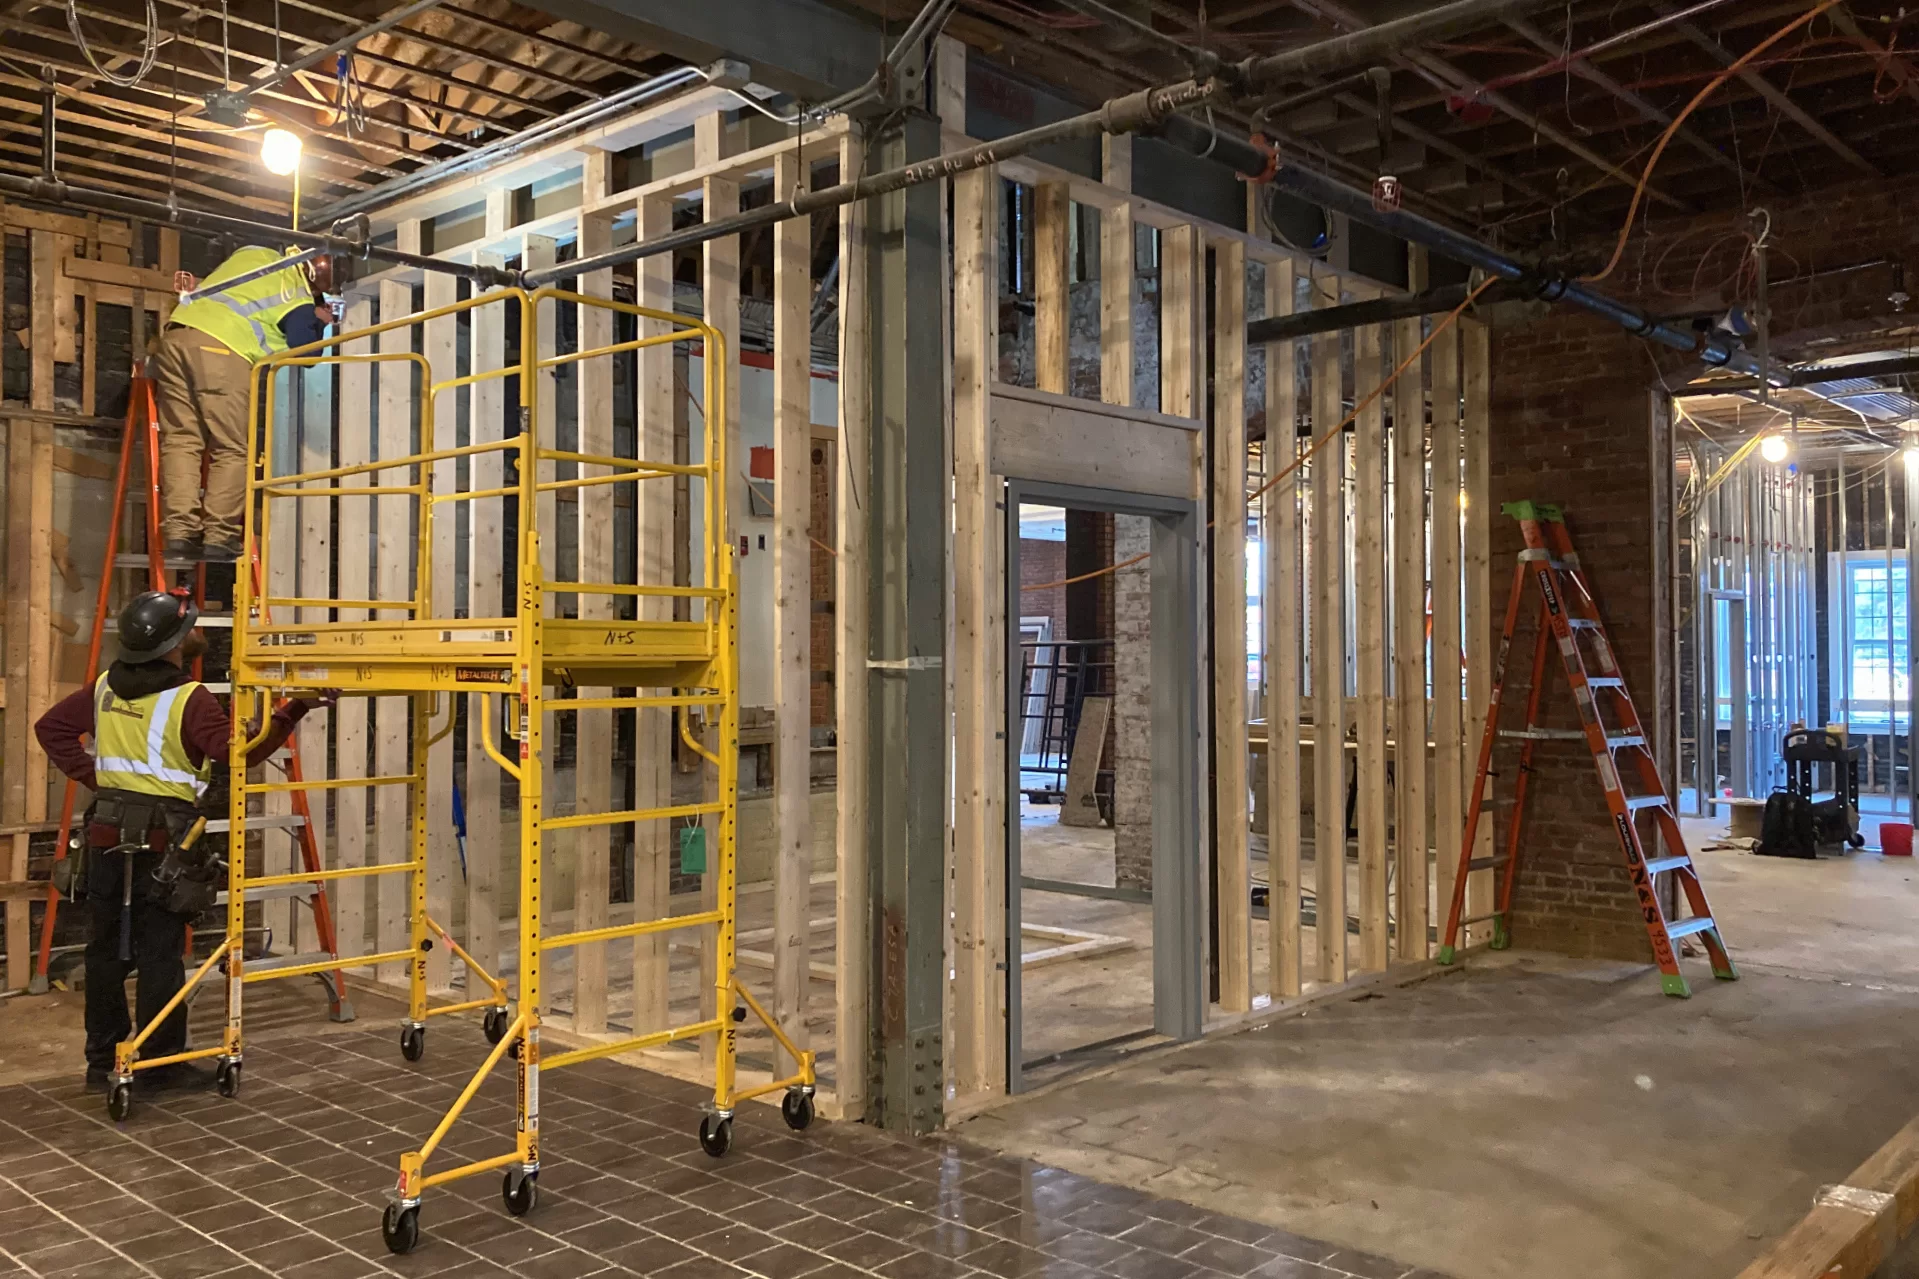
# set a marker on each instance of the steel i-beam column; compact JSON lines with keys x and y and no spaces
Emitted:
{"x":908,"y":506}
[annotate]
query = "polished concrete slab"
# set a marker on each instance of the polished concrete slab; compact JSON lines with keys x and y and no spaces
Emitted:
{"x":289,"y":1179}
{"x":1523,"y":1117}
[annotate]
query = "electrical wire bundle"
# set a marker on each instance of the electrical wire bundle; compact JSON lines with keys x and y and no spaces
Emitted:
{"x":149,"y":53}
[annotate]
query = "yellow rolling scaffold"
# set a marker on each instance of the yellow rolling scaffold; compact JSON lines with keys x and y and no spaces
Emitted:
{"x":229,"y":955}
{"x":686,"y":664}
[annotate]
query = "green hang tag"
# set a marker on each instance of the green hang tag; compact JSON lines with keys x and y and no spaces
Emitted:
{"x":692,"y":850}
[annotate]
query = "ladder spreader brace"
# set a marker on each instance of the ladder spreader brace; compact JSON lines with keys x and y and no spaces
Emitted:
{"x":1569,"y":619}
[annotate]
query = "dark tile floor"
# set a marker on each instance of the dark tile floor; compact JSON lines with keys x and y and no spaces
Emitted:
{"x":289,"y":1179}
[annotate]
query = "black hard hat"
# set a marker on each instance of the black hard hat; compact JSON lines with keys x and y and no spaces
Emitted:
{"x":153,"y":625}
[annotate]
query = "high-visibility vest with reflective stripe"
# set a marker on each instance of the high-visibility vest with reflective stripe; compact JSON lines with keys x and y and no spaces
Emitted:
{"x":137,"y":744}
{"x":247,"y":317}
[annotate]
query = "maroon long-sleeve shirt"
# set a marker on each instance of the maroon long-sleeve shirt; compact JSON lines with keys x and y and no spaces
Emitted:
{"x":204,"y":727}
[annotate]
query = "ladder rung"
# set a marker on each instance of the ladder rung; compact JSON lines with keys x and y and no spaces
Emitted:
{"x":273,"y":892}
{"x":1545,"y":734}
{"x":1636,"y":802}
{"x":1619,"y":741}
{"x":139,"y":559}
{"x":1605,"y":681}
{"x":259,"y":821}
{"x":272,"y":962}
{"x":1583,"y":623}
{"x":1687,"y":927}
{"x":1660,"y":865}
{"x":1478,"y":919}
{"x":1486,"y":863}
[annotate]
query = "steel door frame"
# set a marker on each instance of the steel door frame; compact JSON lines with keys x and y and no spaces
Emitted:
{"x":1179,"y":885}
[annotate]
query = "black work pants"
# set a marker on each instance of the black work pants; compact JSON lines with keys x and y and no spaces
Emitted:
{"x":159,"y":945}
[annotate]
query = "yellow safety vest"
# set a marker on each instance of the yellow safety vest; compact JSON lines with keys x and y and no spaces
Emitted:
{"x":247,"y":317}
{"x":137,"y":744}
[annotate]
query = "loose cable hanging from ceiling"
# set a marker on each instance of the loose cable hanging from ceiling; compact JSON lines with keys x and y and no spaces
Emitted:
{"x":149,"y":51}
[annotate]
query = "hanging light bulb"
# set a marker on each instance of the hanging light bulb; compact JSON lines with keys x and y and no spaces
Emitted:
{"x":280,"y":151}
{"x":1774,"y":448}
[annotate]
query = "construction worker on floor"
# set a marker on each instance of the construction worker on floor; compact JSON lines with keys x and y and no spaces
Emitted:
{"x":202,"y":370}
{"x":155,"y":732}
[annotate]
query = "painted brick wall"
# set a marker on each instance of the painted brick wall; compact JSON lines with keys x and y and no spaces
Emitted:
{"x":1578,"y":418}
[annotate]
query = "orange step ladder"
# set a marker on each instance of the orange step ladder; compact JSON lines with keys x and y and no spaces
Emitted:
{"x":142,"y":435}
{"x":1611,"y":729}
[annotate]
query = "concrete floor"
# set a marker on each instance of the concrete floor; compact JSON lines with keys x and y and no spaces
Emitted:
{"x":1532,"y":1116}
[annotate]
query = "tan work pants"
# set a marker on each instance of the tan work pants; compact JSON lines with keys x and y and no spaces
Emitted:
{"x":201,"y":387}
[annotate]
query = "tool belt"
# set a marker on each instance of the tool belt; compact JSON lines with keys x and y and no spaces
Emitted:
{"x":150,"y":829}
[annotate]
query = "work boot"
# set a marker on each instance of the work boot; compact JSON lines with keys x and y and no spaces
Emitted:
{"x":221,"y":552}
{"x":183,"y":548}
{"x":97,"y":1077}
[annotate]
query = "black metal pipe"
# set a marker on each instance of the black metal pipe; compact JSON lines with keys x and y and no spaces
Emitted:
{"x":1128,"y":114}
{"x":1403,"y":306}
{"x":1331,"y":194}
{"x":1317,"y":188}
{"x":48,"y":138}
{"x":173,"y":213}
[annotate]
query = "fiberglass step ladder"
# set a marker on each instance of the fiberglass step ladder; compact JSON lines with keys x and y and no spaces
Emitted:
{"x":1569,"y":618}
{"x":142,"y":435}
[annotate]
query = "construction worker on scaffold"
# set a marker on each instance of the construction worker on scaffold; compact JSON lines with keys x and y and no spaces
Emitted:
{"x":144,"y":739}
{"x":202,"y":373}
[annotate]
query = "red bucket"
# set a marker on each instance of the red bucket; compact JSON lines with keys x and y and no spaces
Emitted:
{"x":1895,"y":839}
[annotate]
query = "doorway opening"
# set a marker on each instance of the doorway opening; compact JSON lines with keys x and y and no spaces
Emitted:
{"x":1103,"y":870}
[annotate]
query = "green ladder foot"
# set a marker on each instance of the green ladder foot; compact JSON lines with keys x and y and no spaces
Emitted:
{"x":1445,"y":954}
{"x":1674,"y":984}
{"x":1502,"y":936}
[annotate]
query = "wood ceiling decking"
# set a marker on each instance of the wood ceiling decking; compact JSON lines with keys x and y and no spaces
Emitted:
{"x":1834,"y":100}
{"x":443,"y":82}
{"x":1481,"y":135}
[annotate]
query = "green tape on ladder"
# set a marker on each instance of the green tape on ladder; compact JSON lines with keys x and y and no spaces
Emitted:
{"x":1532,"y":511}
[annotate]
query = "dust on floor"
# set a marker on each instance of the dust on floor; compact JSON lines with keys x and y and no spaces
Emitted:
{"x":1523,"y":1117}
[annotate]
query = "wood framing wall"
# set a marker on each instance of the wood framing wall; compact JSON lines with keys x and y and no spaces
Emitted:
{"x":1346,"y":544}
{"x":96,"y":290}
{"x":624,"y":986}
{"x":1362,"y":552}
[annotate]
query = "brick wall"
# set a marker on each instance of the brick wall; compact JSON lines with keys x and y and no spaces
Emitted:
{"x":1132,"y":705}
{"x":1043,"y":562}
{"x":1578,"y":418}
{"x":1568,"y":428}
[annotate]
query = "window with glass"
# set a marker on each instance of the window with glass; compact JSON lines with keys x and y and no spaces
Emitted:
{"x":1871,"y":655}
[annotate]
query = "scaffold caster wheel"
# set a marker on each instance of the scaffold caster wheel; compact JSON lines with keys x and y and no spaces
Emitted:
{"x":413,"y":1043}
{"x":716,"y":1134}
{"x":520,"y":1191}
{"x":226,"y":1077}
{"x":120,"y":1102}
{"x":400,"y":1228}
{"x":494,"y":1025}
{"x":797,"y":1109}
